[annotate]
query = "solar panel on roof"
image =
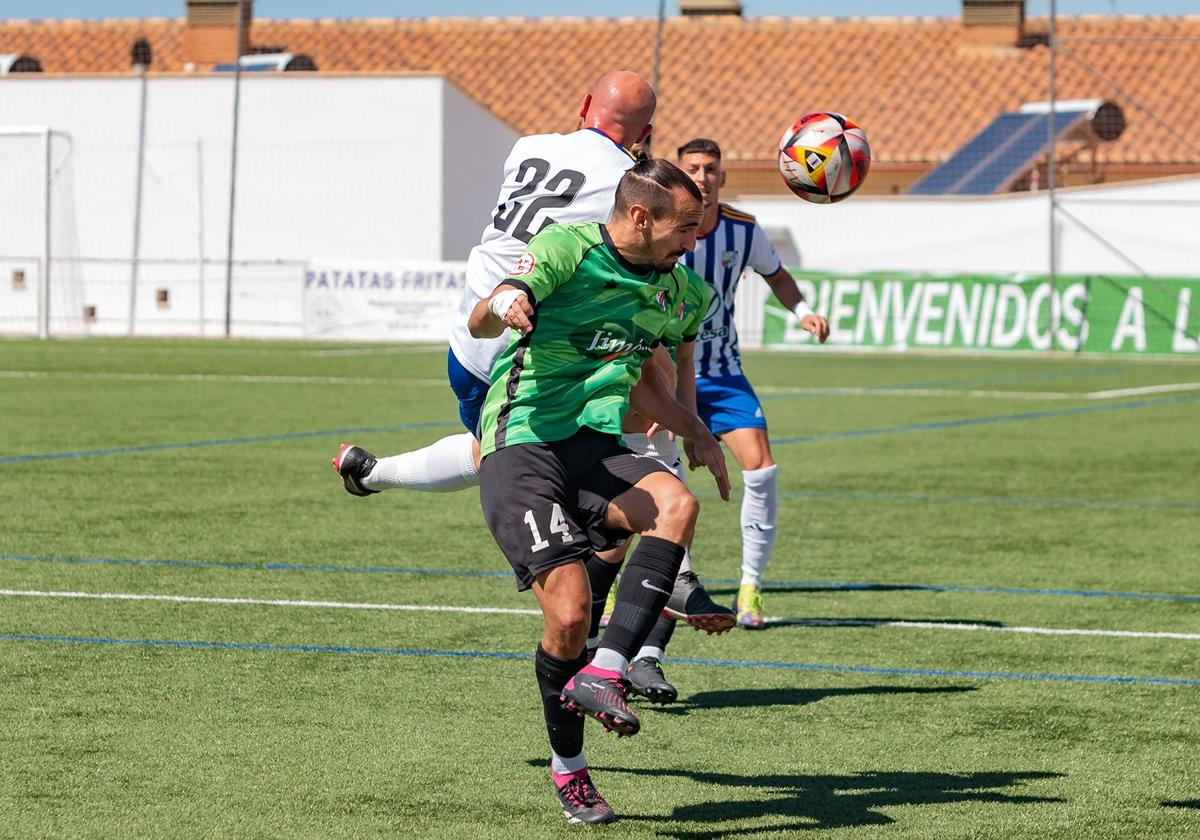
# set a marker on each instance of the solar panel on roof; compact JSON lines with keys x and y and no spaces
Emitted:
{"x":997,"y":156}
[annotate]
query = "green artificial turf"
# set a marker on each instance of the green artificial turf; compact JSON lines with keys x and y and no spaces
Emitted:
{"x":998,"y":492}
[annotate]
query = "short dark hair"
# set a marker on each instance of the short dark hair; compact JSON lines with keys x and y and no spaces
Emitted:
{"x":651,"y":183}
{"x":699,"y":146}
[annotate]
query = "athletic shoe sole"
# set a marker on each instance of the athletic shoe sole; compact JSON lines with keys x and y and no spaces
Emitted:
{"x":623,"y":727}
{"x":711,"y":623}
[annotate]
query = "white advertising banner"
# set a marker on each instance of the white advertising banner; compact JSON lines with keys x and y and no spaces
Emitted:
{"x":380,"y":300}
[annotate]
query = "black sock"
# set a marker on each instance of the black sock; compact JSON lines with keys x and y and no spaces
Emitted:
{"x":564,"y":728}
{"x":601,"y":575}
{"x":643,"y":592}
{"x":660,"y":636}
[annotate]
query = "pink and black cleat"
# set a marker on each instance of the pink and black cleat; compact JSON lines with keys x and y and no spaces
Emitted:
{"x":601,"y":694}
{"x":581,"y":802}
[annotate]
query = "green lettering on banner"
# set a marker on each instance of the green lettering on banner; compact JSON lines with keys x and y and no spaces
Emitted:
{"x":1088,"y":313}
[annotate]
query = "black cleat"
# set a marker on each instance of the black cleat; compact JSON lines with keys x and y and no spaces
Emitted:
{"x":690,"y":602}
{"x":353,"y":464}
{"x":581,"y":802}
{"x":646,"y":678}
{"x":601,"y":694}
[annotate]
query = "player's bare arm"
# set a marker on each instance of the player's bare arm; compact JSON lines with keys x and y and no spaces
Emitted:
{"x":784,"y":287}
{"x":506,"y":306}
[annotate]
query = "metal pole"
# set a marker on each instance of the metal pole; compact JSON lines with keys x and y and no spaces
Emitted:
{"x":658,"y":32}
{"x":44,"y":299}
{"x":137,"y":201}
{"x":200,"y":228}
{"x":237,"y":95}
{"x":1053,"y":156}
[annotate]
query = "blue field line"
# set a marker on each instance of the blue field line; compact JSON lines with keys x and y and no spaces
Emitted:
{"x":712,"y":663}
{"x":845,"y":586}
{"x":854,"y":433}
{"x":1022,"y":377}
{"x":255,"y":567}
{"x":987,"y":421}
{"x":155,"y":447}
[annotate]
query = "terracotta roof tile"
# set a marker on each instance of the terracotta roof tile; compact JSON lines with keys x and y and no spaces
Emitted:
{"x":913,"y":83}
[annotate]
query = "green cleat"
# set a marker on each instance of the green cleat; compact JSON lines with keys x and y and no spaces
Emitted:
{"x":749,"y":607}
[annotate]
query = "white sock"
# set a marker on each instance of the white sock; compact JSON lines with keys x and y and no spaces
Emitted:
{"x":647,"y":652}
{"x":563,"y":766}
{"x":663,"y":449}
{"x":610,"y":660}
{"x":445,"y":465}
{"x":759,"y":506}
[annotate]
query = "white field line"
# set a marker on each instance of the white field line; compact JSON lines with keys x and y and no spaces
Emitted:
{"x":371,"y":351}
{"x":1014,"y":395}
{"x":766,"y":389}
{"x":1148,"y":389}
{"x":350,"y":605}
{"x":215,"y":377}
{"x":920,"y":392}
{"x":261,"y":602}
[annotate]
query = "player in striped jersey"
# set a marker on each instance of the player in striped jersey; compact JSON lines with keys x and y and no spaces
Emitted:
{"x":729,"y":243}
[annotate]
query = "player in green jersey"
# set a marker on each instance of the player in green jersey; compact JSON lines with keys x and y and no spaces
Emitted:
{"x":588,"y":304}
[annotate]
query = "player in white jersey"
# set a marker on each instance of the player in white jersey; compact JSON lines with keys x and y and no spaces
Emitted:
{"x":548,"y":178}
{"x":731,"y":242}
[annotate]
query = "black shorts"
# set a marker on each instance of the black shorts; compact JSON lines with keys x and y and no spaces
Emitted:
{"x":545,"y":502}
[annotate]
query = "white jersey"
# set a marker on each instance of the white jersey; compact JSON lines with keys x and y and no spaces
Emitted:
{"x":548,"y":178}
{"x":735,"y":244}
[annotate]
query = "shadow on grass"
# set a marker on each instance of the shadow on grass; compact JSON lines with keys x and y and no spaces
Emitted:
{"x":730,"y":591}
{"x":877,"y":621}
{"x":746,"y":698}
{"x":779,"y":803}
{"x":1181,"y":803}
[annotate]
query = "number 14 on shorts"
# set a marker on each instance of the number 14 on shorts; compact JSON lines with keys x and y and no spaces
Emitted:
{"x":558,"y":525}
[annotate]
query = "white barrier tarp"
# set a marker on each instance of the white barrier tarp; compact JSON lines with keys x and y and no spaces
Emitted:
{"x":382,"y":300}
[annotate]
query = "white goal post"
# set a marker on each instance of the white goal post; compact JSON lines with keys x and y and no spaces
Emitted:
{"x":43,"y":137}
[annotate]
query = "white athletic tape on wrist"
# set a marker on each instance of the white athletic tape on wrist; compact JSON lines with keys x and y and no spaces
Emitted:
{"x":501,"y":303}
{"x":802,"y":310}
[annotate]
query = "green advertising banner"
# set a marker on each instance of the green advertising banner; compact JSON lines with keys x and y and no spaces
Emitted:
{"x":1091,"y":314}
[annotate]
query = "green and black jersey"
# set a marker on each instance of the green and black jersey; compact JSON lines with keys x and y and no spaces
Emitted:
{"x":596,"y":319}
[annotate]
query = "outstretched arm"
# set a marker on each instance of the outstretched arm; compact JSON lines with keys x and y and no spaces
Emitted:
{"x":655,"y":398}
{"x":783,"y":286}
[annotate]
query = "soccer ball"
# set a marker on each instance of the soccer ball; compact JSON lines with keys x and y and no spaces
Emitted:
{"x":824,"y":157}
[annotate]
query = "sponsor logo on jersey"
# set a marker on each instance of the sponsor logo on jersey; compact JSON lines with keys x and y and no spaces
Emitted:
{"x":524,"y":265}
{"x":728,"y":258}
{"x":682,"y":310}
{"x":610,"y":341}
{"x":708,"y":335}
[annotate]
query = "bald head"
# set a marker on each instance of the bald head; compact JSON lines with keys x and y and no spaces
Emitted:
{"x":621,"y":104}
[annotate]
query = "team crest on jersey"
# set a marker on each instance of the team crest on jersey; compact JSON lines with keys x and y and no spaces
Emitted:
{"x":681,"y":310}
{"x":661,"y":300}
{"x":523,"y":266}
{"x":728,"y":258}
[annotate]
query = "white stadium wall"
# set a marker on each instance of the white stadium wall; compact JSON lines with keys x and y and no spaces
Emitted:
{"x":1151,"y":224}
{"x":358,"y":197}
{"x":330,"y":169}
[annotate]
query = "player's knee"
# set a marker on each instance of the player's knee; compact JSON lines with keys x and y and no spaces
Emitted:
{"x":574,"y":618}
{"x":679,"y":507}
